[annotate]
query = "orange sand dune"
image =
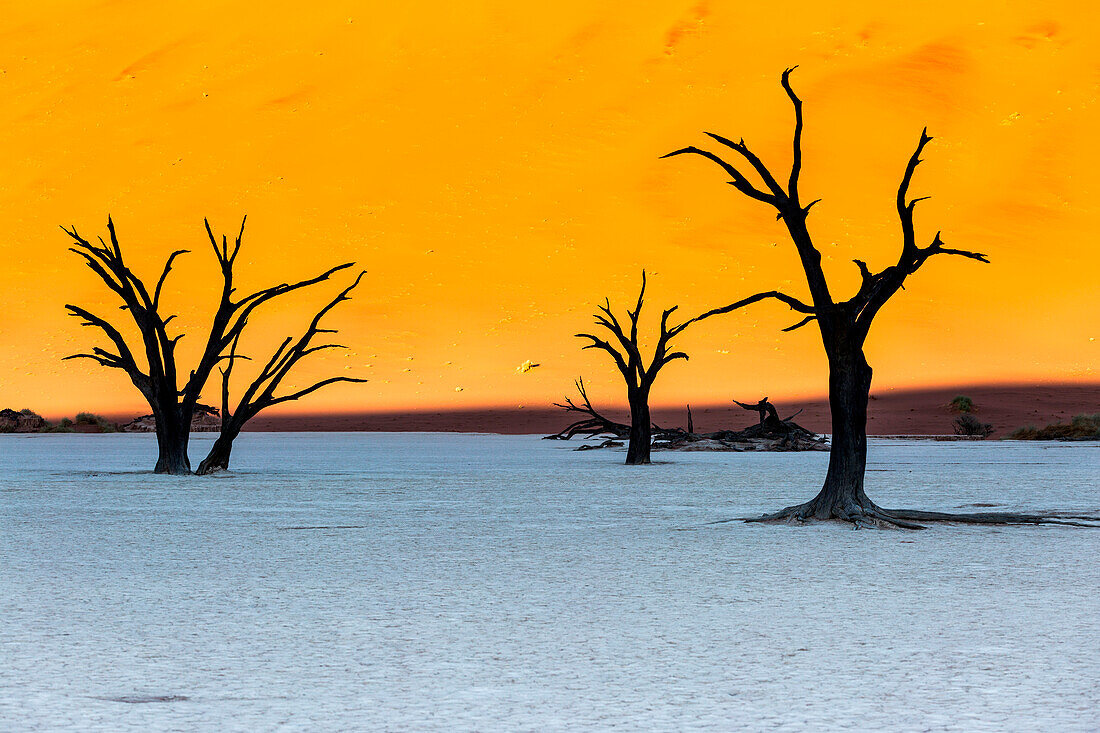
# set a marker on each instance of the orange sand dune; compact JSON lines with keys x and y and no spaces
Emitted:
{"x":494,"y":166}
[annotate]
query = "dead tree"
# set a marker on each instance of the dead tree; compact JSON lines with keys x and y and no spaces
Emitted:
{"x":156,"y":375}
{"x":261,"y":392}
{"x":844,"y":326}
{"x":592,"y":424}
{"x":639,"y":377}
{"x":768,"y":415}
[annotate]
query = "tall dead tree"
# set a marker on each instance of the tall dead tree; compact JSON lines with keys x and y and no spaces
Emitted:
{"x":155,"y":375}
{"x":260,"y":394}
{"x":639,"y":377}
{"x":844,"y":326}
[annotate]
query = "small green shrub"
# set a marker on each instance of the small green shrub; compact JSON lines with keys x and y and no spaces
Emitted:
{"x":962,"y":403}
{"x":65,"y":423}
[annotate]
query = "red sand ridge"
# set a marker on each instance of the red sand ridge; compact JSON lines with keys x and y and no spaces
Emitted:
{"x":891,"y":412}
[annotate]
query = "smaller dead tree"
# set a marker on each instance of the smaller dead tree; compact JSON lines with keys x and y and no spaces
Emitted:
{"x":261,"y":392}
{"x":639,"y":377}
{"x":592,"y":424}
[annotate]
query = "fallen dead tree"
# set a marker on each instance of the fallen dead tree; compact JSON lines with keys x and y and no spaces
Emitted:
{"x":771,"y":434}
{"x":592,"y":424}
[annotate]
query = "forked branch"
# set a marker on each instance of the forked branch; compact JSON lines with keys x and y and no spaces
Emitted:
{"x":261,"y":393}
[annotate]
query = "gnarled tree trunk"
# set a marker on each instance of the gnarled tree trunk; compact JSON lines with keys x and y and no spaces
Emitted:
{"x":849,"y":387}
{"x":218,"y":457}
{"x":641,"y":429}
{"x":172,"y":458}
{"x":173,"y":434}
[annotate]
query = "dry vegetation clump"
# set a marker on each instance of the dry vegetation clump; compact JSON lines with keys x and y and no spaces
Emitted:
{"x":91,"y":420}
{"x":967,"y":424}
{"x":29,"y":421}
{"x":1081,"y":427}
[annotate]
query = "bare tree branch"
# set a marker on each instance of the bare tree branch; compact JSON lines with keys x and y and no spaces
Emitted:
{"x":743,"y":150}
{"x":260,"y":394}
{"x":739,"y":181}
{"x":163,"y":275}
{"x":796,"y":160}
{"x":593,"y":424}
{"x":800,"y":324}
{"x":905,"y":208}
{"x":794,"y":303}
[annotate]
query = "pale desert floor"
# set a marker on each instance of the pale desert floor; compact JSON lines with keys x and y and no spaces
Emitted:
{"x":410,"y":582}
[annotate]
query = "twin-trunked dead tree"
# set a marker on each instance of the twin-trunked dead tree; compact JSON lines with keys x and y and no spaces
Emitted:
{"x":155,"y":373}
{"x":844,"y":326}
{"x":627,"y":354}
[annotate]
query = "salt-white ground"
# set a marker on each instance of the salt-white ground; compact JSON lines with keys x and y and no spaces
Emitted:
{"x":472,"y":582}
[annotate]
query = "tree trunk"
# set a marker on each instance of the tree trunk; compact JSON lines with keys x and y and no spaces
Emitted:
{"x":637,"y":452}
{"x":172,"y":438}
{"x":842,"y":495}
{"x":218,"y":457}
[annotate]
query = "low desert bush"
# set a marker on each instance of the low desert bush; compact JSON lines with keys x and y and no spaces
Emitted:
{"x":969,"y":425}
{"x":90,"y":418}
{"x":1081,"y":427}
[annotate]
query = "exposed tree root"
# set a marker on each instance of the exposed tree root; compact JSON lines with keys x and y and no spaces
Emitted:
{"x":873,"y":516}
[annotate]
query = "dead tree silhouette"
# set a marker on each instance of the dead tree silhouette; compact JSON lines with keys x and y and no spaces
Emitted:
{"x":173,"y":406}
{"x":844,"y":326}
{"x":639,"y":377}
{"x":593,"y":423}
{"x":260,"y":394}
{"x":769,"y":417}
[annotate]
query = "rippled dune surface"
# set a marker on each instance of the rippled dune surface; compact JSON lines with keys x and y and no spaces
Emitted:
{"x":480,"y":582}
